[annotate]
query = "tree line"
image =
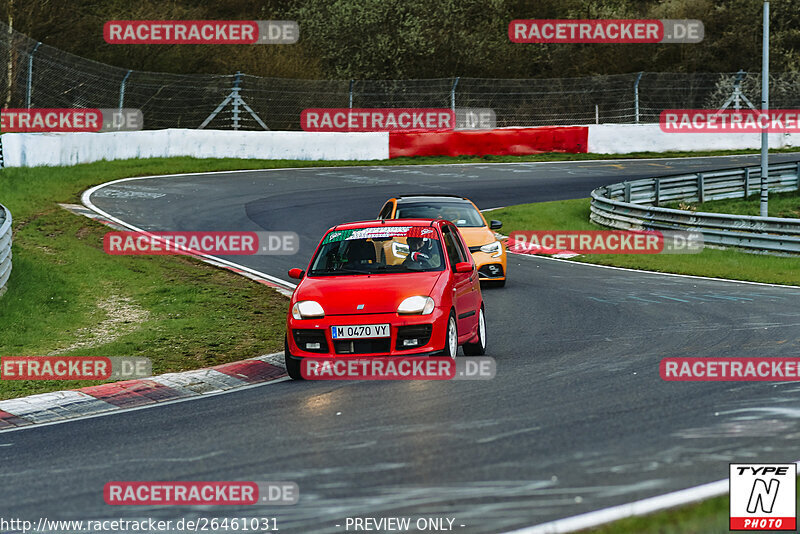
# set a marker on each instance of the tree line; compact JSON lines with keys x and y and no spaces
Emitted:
{"x":396,"y":39}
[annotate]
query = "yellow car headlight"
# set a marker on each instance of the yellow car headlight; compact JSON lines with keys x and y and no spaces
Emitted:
{"x":399,"y":249}
{"x":495,"y":249}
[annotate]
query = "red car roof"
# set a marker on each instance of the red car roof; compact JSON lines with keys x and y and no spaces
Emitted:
{"x":390,"y":222}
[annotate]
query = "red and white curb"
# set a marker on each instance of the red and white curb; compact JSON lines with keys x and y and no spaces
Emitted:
{"x":527,"y":249}
{"x":93,"y":400}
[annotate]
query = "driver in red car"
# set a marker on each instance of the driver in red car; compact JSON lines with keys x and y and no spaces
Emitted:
{"x":421,"y":254}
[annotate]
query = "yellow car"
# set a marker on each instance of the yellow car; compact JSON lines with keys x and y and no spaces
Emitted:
{"x":489,"y":253}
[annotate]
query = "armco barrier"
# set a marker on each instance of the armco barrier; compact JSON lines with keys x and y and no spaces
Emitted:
{"x":38,"y":149}
{"x":636,"y":205}
{"x":499,"y":142}
{"x":5,"y":247}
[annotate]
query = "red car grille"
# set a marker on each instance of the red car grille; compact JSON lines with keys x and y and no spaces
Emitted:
{"x":362,"y":346}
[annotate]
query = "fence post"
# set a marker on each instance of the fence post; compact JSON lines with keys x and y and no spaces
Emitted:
{"x":30,"y":76}
{"x":453,"y":94}
{"x":797,"y":174}
{"x":627,"y":191}
{"x":636,"y":96}
{"x":701,"y":188}
{"x":351,"y":94}
{"x":235,"y":94}
{"x":122,"y":90}
{"x":658,"y":191}
{"x":746,"y":182}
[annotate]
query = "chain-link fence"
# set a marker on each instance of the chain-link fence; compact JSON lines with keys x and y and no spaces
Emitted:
{"x":41,"y":76}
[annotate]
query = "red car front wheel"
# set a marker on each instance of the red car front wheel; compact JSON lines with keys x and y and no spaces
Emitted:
{"x":479,"y":347}
{"x":292,"y":365}
{"x":451,"y":338}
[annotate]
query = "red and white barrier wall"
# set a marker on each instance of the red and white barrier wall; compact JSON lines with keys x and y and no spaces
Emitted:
{"x":627,"y":138}
{"x":38,"y":149}
{"x":500,"y":142}
{"x":595,"y":138}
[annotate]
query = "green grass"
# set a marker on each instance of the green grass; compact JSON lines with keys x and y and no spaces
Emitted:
{"x":181,"y":313}
{"x":706,"y":517}
{"x":780,"y":205}
{"x":729,"y":263}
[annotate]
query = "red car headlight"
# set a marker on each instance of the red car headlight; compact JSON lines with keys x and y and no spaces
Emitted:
{"x":307,"y":309}
{"x":416,"y":305}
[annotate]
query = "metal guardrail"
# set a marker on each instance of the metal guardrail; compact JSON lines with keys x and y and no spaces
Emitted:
{"x":636,"y":205}
{"x":5,"y":246}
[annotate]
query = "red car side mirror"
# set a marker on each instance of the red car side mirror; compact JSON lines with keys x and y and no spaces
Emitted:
{"x":463,"y":267}
{"x":296,"y":273}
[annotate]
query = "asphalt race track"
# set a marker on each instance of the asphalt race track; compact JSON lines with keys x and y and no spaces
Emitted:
{"x":577,"y":418}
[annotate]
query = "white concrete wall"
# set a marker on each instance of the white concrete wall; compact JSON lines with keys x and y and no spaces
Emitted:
{"x":38,"y":149}
{"x":624,"y":138}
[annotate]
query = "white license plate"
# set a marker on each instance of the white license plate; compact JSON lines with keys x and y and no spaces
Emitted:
{"x":358,"y":331}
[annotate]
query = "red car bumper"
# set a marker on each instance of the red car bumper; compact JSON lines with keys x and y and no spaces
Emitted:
{"x":409,"y":335}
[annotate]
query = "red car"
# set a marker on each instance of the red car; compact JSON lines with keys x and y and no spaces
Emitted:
{"x":359,"y":298}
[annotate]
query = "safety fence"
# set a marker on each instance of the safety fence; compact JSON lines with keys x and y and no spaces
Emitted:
{"x":45,"y":77}
{"x":5,"y":247}
{"x":637,"y":204}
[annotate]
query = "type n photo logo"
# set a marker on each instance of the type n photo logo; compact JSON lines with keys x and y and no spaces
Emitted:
{"x":763,"y":496}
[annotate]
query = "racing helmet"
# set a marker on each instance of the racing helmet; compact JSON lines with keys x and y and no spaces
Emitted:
{"x":420,"y":244}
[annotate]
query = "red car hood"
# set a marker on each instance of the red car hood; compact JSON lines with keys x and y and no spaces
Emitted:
{"x":379,"y":293}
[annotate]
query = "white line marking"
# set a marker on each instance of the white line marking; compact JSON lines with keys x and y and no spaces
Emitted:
{"x":635,"y":508}
{"x":86,"y":199}
{"x":530,"y":256}
{"x":622,"y":511}
{"x":203,"y":173}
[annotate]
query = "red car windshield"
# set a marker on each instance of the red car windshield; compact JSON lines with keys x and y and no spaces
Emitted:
{"x":380,"y":249}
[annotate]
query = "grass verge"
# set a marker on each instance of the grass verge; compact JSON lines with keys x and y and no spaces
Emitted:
{"x":66,"y":296}
{"x":785,"y":205}
{"x":707,"y":517}
{"x":728,"y":263}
